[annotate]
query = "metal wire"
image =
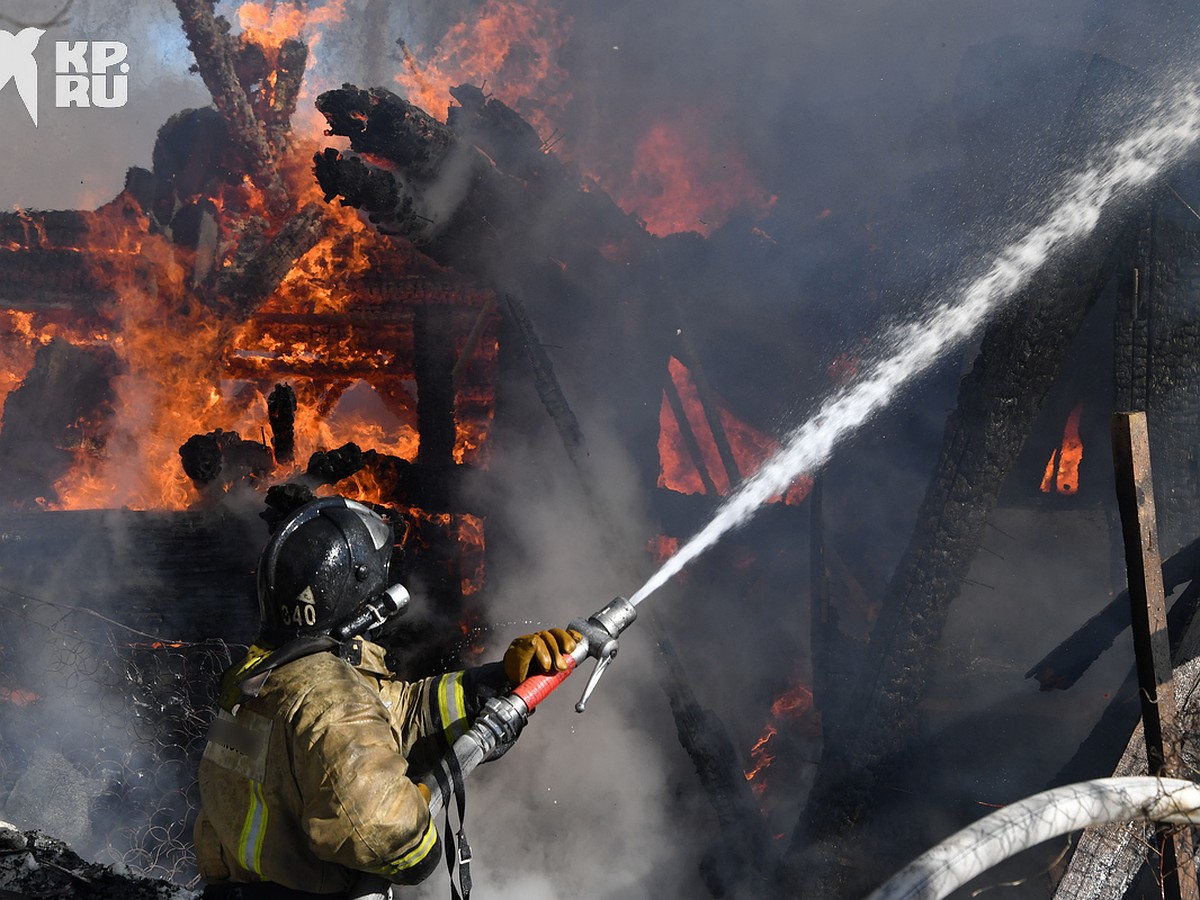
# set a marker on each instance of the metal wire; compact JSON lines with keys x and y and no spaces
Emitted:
{"x":127,"y":711}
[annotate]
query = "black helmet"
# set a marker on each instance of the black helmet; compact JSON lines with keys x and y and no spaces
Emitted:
{"x":325,"y":561}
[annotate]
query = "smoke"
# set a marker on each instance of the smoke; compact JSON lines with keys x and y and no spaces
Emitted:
{"x":863,"y":119}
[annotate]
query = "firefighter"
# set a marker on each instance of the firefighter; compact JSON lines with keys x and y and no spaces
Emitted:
{"x":308,"y":779}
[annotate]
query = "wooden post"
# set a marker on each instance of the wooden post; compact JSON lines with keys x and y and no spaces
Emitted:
{"x":1135,"y":497}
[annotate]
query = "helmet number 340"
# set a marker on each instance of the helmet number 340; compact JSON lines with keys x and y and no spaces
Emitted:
{"x":300,"y":614}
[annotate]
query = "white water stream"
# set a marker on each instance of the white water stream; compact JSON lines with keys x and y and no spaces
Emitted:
{"x":911,"y":349}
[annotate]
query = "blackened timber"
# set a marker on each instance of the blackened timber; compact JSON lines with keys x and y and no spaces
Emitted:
{"x":739,"y":866}
{"x":433,"y":367}
{"x":712,"y":412}
{"x":549,"y":391}
{"x":281,"y":413}
{"x":1065,"y":664}
{"x":1019,"y":359}
{"x":260,"y":266}
{"x":290,"y":63}
{"x":216,"y":59}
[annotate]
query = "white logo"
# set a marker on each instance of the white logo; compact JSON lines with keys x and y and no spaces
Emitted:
{"x":83,"y":78}
{"x":86,"y":73}
{"x":18,"y":65}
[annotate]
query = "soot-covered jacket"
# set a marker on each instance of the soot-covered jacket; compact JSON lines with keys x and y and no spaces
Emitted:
{"x":308,"y":783}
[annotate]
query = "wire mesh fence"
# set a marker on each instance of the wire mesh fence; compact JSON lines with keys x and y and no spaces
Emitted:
{"x":101,"y":732}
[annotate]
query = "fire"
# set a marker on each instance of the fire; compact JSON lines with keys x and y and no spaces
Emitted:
{"x":749,"y":446}
{"x":511,"y":45}
{"x":18,"y":697}
{"x":1062,"y":469}
{"x":663,"y":548}
{"x":682,"y":183}
{"x":270,"y":25}
{"x":790,"y":705}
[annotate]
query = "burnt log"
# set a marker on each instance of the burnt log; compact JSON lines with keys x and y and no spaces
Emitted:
{"x":740,"y":866}
{"x":999,"y":399}
{"x":281,"y":413}
{"x":261,"y":263}
{"x":217,"y":62}
{"x":535,"y":234}
{"x":1065,"y":664}
{"x":433,"y":369}
{"x":223,"y":458}
{"x":279,"y":105}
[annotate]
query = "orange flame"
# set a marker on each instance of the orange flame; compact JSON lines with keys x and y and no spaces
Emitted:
{"x":750,"y":447}
{"x":680,"y":183}
{"x":18,"y":697}
{"x":791,"y":704}
{"x":511,"y":45}
{"x":1062,"y":469}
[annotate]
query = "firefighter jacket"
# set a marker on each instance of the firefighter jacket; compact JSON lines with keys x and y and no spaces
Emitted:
{"x":308,"y":784}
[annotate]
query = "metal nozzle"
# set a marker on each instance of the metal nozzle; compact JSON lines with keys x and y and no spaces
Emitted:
{"x":601,"y":630}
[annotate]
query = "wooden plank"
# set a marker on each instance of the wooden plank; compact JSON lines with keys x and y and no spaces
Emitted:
{"x":1135,"y":497}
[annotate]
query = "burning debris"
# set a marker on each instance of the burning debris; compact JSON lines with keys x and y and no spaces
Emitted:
{"x":242,"y":339}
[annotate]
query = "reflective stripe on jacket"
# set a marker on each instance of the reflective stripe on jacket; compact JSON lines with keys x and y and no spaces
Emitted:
{"x":306,"y":785}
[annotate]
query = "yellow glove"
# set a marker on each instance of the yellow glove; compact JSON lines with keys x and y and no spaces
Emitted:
{"x":542,"y":652}
{"x":424,"y":792}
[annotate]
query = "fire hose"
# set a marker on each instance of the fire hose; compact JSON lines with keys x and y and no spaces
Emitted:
{"x":1052,"y":813}
{"x":501,"y":720}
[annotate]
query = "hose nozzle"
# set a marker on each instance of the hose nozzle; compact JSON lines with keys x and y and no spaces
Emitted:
{"x":600,"y":631}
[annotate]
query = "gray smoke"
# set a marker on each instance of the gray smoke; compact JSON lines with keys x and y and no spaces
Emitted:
{"x":855,"y":109}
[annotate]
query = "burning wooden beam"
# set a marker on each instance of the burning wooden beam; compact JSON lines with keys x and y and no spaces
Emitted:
{"x":216,"y":60}
{"x":260,"y":265}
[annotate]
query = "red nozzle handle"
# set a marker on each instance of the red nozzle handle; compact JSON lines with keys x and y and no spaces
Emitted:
{"x":536,"y":688}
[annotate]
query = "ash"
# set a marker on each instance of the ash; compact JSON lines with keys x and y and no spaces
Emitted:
{"x":34,"y":865}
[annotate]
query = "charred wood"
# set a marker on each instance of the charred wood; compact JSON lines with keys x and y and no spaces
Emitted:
{"x":223,"y":458}
{"x":688,"y":435}
{"x":331,"y":466}
{"x":281,"y":413}
{"x":217,"y":62}
{"x":1066,"y":663}
{"x":433,"y":368}
{"x":372,"y":190}
{"x":712,"y":411}
{"x":36,"y":864}
{"x":1107,"y":859}
{"x":1018,"y":361}
{"x":740,"y":865}
{"x":262,"y":263}
{"x":280,"y":104}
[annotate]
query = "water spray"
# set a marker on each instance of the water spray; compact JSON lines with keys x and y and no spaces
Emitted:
{"x":912,"y":349}
{"x":909,"y":350}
